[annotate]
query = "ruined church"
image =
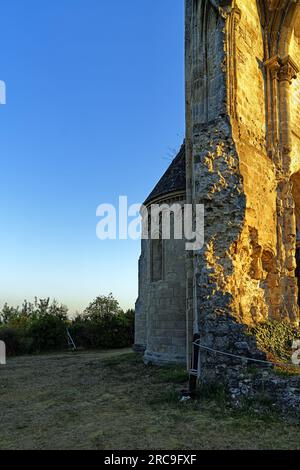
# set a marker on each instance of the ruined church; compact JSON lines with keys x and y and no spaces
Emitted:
{"x":241,"y":160}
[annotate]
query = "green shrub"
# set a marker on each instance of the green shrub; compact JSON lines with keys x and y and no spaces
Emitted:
{"x":47,"y":333}
{"x":108,"y":332}
{"x":276,"y":339}
{"x":17,"y":342}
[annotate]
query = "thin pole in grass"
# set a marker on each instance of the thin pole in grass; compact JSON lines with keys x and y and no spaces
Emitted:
{"x":71,"y":343}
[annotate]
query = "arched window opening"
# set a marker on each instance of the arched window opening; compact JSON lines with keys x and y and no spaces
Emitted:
{"x":156,"y":252}
{"x":157,"y":260}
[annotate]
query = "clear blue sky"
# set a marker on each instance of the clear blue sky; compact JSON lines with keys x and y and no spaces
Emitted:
{"x":95,"y":102}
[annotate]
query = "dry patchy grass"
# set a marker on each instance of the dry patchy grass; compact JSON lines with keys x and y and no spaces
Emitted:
{"x":111,"y":400}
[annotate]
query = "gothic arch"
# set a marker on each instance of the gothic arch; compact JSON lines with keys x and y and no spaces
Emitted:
{"x":289,"y":17}
{"x":278,"y":18}
{"x":205,"y":90}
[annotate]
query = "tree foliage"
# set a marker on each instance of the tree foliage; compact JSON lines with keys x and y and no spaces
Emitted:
{"x":42,"y":325}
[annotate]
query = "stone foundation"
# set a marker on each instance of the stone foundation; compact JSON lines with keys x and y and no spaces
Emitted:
{"x":281,"y":393}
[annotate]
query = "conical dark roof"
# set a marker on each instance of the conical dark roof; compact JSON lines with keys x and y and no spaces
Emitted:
{"x":173,"y":180}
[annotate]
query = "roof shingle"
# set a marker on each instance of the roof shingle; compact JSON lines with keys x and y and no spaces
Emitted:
{"x":173,"y":180}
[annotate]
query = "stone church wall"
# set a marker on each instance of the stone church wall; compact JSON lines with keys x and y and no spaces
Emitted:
{"x":257,"y":245}
{"x":161,"y":306}
{"x":239,"y":160}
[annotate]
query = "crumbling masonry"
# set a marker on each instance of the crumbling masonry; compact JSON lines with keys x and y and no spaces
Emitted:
{"x":242,"y":161}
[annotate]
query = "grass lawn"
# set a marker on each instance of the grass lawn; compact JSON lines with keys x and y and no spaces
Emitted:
{"x":111,"y":400}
